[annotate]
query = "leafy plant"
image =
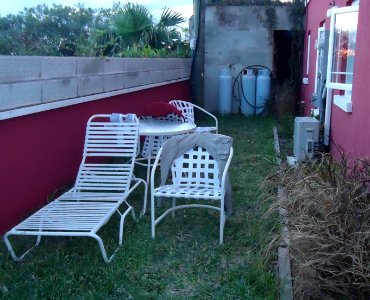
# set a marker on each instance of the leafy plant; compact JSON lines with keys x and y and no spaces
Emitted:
{"x":136,"y":26}
{"x":124,"y":30}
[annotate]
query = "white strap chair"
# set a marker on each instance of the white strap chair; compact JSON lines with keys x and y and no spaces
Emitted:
{"x":100,"y":190}
{"x":187,"y":109}
{"x":195,"y":176}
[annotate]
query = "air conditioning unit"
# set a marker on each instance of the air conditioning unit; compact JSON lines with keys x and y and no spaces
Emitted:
{"x":306,"y":135}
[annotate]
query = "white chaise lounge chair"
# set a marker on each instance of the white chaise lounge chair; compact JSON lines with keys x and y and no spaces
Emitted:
{"x":100,"y":190}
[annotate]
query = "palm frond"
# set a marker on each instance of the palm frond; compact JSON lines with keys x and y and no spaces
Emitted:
{"x":170,"y":18}
{"x":133,"y":21}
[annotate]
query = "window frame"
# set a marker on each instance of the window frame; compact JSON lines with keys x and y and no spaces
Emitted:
{"x":334,"y":12}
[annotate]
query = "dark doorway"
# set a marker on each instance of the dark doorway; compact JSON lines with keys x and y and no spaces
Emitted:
{"x":283,"y":55}
{"x":287,"y":66}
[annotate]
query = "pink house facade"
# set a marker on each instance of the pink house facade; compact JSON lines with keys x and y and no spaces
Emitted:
{"x":340,"y":92}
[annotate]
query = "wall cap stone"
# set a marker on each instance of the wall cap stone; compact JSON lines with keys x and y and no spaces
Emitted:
{"x":23,"y":111}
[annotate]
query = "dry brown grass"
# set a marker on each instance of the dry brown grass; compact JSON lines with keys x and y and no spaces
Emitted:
{"x":328,"y":205}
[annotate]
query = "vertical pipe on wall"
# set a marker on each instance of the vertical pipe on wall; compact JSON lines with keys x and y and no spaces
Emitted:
{"x":197,"y":67}
{"x":329,"y":93}
{"x":308,"y":52}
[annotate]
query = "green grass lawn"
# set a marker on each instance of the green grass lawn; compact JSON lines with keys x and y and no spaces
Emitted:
{"x":184,"y":261}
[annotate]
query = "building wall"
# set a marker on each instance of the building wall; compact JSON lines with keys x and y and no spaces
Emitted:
{"x":349,"y":131}
{"x":315,"y":17}
{"x":41,"y":152}
{"x":237,"y":36}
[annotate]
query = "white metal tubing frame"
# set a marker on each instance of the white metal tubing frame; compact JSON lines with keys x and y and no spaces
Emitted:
{"x":218,"y":196}
{"x":187,"y":109}
{"x":91,"y":234}
{"x":99,"y":191}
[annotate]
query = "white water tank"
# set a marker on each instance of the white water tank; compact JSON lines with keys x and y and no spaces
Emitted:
{"x":248,"y":93}
{"x":262,"y":90}
{"x":224,"y":91}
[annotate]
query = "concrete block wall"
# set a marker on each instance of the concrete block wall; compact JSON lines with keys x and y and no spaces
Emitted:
{"x":236,"y":36}
{"x":27,"y":81}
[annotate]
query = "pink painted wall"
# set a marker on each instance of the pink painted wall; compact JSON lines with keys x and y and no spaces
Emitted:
{"x":41,"y":152}
{"x":315,"y":17}
{"x":349,"y":131}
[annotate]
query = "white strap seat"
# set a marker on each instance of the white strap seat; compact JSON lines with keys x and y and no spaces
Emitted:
{"x":68,"y":218}
{"x":91,"y":197}
{"x":195,"y":192}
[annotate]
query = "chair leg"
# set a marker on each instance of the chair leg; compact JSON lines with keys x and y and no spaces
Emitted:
{"x":145,"y":198}
{"x":152,"y":208}
{"x":173,"y":205}
{"x":102,"y":248}
{"x":148,"y":168}
{"x":139,"y":180}
{"x":222,"y":224}
{"x":133,"y":215}
{"x":122,"y":222}
{"x":11,"y":250}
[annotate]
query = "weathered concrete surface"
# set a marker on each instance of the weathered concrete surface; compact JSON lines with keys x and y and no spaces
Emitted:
{"x":90,"y":85}
{"x":113,"y":82}
{"x":27,"y":81}
{"x":237,"y":36}
{"x":58,"y":67}
{"x":56,"y":89}
{"x":15,"y":69}
{"x":20,"y":94}
{"x":285,"y":276}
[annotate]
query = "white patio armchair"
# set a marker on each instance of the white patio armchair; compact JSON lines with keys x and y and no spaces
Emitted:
{"x":196,"y":175}
{"x":100,"y":190}
{"x":187,"y":109}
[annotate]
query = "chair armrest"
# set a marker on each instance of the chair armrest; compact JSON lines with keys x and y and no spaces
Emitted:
{"x":226,"y":170}
{"x":208,"y":113}
{"x":156,"y":162}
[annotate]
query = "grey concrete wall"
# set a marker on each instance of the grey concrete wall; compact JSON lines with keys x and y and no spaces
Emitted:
{"x":26,"y":81}
{"x":236,"y":36}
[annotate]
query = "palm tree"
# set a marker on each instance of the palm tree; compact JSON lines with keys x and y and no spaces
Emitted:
{"x":135,"y":25}
{"x":165,"y":31}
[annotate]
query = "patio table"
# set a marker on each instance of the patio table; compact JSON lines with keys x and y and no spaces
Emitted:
{"x":156,"y":127}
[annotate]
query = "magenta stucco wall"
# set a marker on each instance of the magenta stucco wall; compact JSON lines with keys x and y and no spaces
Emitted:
{"x":41,"y":152}
{"x":315,"y":18}
{"x":349,"y":131}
